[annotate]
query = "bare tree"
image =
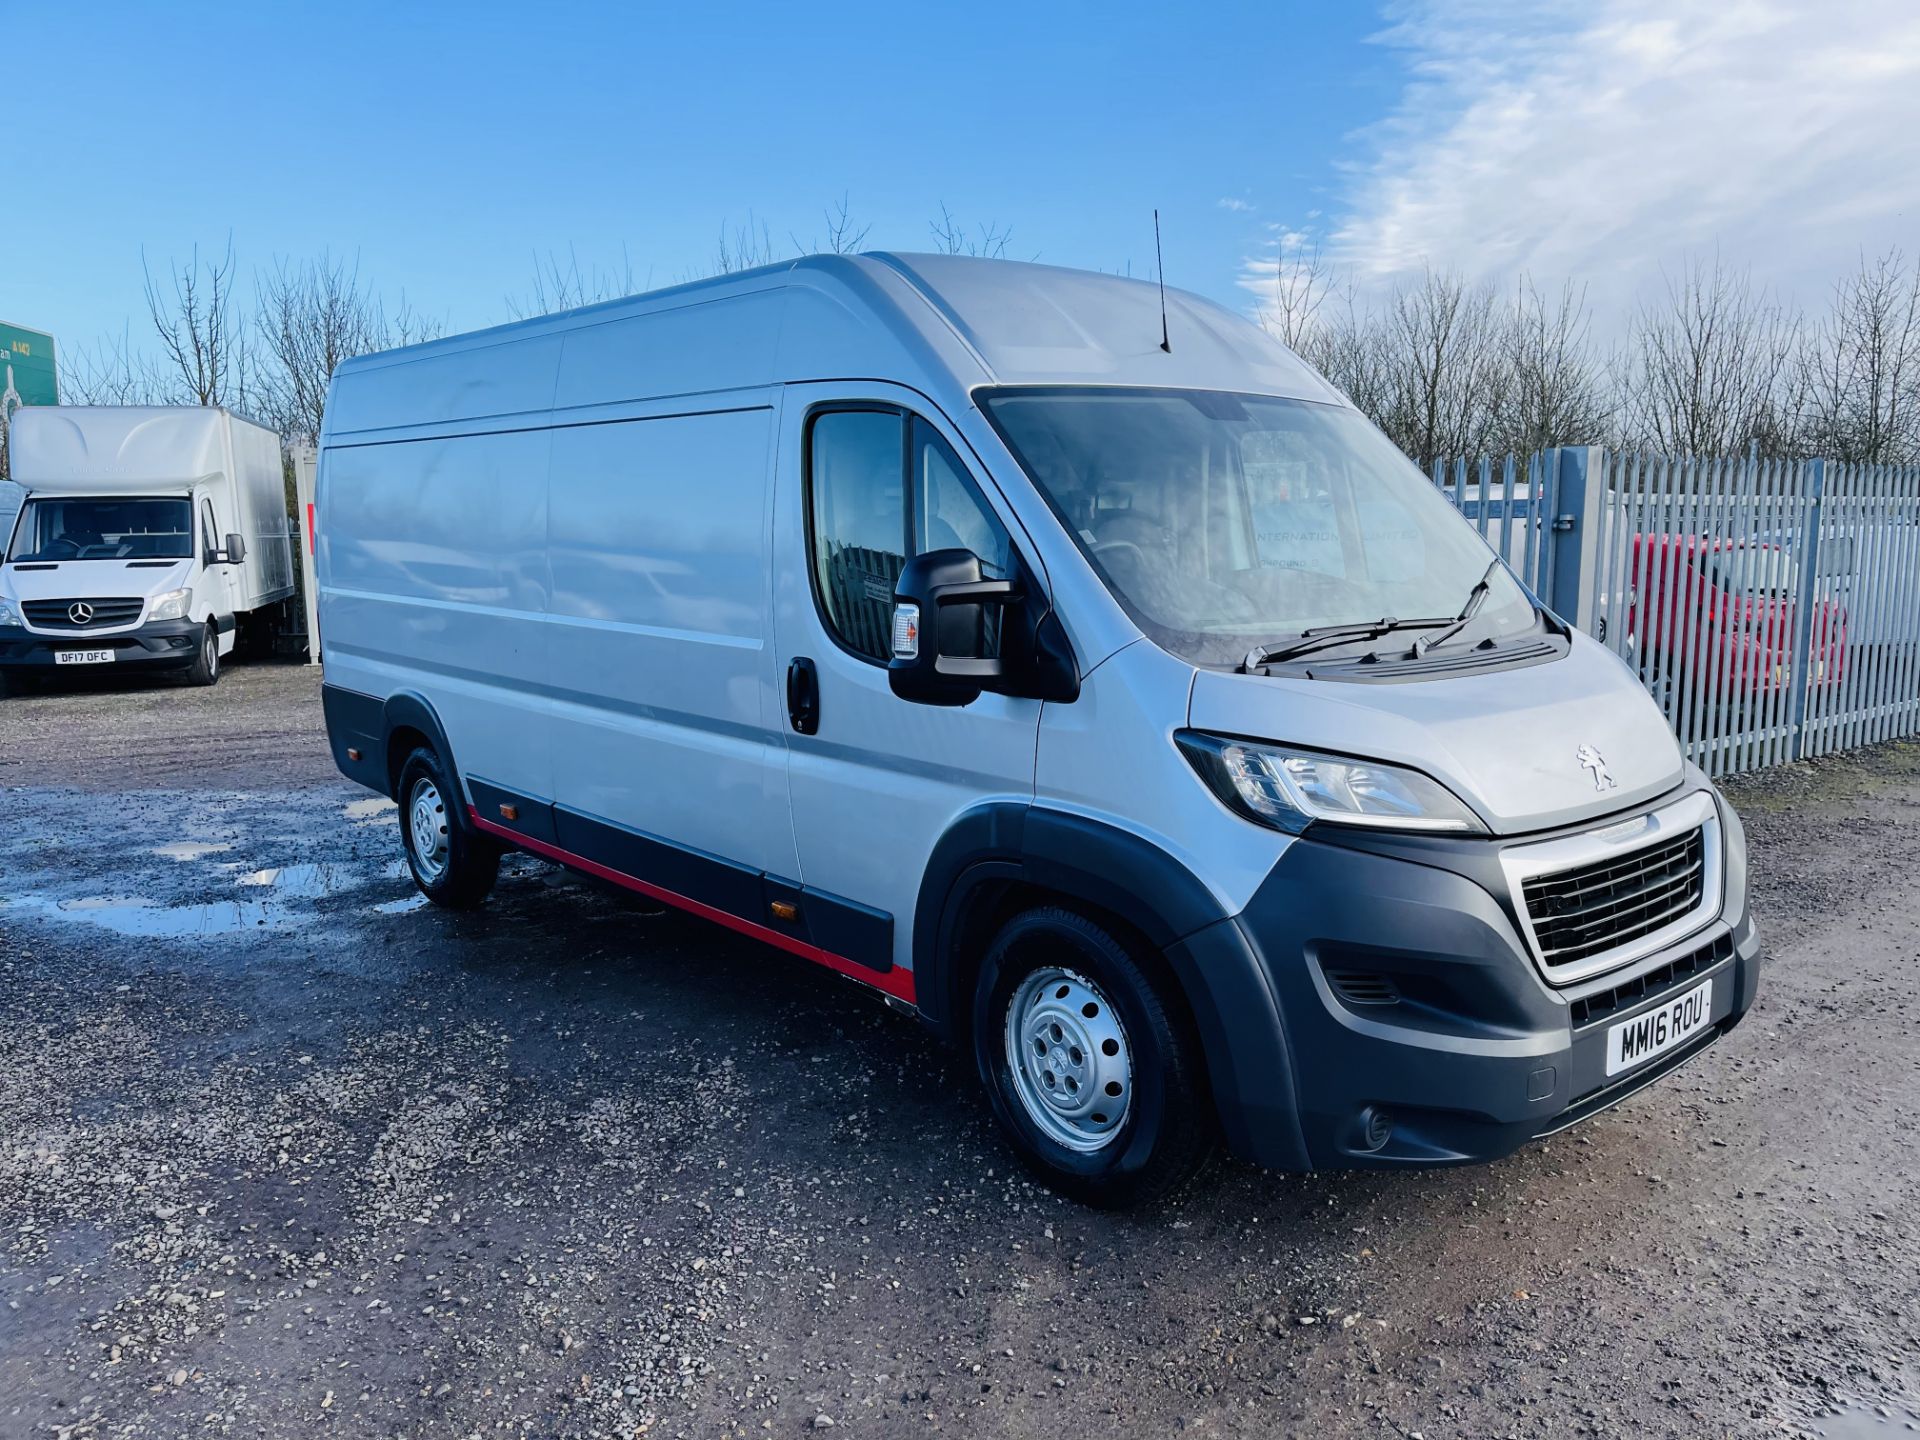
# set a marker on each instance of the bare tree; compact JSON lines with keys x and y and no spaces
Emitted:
{"x":1858,"y":376}
{"x":1447,"y":375}
{"x":566,"y":286}
{"x":1707,"y":371}
{"x":1556,"y":392}
{"x":203,"y":339}
{"x":110,"y":373}
{"x":1349,"y":347}
{"x":1302,"y":283}
{"x":313,"y":315}
{"x":747,"y":247}
{"x":843,"y":236}
{"x":950,"y":237}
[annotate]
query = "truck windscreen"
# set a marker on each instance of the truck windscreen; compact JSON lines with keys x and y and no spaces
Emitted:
{"x":104,"y":529}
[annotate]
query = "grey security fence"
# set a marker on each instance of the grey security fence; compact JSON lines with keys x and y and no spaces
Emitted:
{"x":1772,"y":607}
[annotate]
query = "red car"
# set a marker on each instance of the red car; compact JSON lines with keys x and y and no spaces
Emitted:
{"x":1717,"y":617}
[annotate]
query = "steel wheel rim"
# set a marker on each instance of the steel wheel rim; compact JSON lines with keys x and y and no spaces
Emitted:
{"x":213,"y":653}
{"x":1072,"y":1070}
{"x":427,"y":837}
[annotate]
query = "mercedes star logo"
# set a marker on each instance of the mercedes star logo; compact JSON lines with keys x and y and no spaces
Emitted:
{"x":1591,"y":759}
{"x":80,"y":613}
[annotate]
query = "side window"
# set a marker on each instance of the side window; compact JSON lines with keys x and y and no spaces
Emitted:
{"x":858,"y":514}
{"x":949,"y":511}
{"x":210,"y":533}
{"x":882,"y":486}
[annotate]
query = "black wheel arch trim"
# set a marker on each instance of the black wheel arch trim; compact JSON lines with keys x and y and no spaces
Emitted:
{"x":1220,"y":973}
{"x":366,"y":724}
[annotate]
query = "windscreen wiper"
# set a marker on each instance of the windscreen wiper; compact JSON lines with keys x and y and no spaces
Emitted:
{"x":1476,"y":597}
{"x":1326,"y":635}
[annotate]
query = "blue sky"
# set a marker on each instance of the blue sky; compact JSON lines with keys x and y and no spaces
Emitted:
{"x":449,"y":146}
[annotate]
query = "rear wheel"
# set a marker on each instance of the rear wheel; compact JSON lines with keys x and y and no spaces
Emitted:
{"x":1091,"y":1070}
{"x":205,"y":669}
{"x":452,"y":864}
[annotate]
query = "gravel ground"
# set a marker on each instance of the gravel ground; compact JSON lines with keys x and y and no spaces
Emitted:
{"x":283,"y":1152}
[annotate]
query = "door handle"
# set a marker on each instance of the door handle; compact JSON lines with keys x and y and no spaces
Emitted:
{"x":803,"y":695}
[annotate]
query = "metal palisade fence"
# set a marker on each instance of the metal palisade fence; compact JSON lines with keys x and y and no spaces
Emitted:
{"x":1771,"y":607}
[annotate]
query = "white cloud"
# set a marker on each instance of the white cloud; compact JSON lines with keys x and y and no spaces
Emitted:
{"x":1229,"y":202}
{"x":1602,"y":140}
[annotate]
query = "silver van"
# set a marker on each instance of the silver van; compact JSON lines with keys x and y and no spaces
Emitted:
{"x":1130,"y":712}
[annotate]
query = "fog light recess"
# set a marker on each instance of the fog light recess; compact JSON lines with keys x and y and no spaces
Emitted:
{"x":1376,"y":1128}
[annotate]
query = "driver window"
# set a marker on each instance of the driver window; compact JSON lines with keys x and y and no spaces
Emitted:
{"x":951,"y":512}
{"x":210,"y":540}
{"x":883,"y":485}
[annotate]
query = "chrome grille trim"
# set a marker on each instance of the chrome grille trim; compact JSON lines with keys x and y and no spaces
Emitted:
{"x":1654,"y":840}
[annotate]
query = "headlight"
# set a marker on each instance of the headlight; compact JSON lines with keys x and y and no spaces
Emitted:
{"x":173,"y":605}
{"x":8,"y":615}
{"x":1290,"y":789}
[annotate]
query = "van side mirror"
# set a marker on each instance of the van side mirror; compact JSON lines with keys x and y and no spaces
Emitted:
{"x":941,"y":605}
{"x":236,"y":550}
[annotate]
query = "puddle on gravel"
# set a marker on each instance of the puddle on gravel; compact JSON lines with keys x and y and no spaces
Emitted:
{"x":276,"y":898}
{"x":184,"y":850}
{"x":373,"y":809}
{"x":314,"y":881}
{"x":1859,"y":1421}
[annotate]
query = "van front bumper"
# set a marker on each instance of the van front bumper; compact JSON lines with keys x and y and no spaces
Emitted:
{"x":159,"y":645}
{"x":1475,"y":1054}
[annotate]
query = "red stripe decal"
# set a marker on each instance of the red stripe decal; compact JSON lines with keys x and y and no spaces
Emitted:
{"x":897,"y":983}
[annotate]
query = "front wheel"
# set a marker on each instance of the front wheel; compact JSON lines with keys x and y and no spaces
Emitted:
{"x":205,"y":669}
{"x":1090,"y":1068}
{"x":452,"y":864}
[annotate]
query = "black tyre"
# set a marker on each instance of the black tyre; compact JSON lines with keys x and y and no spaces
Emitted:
{"x":1089,"y":1067}
{"x":205,"y":669}
{"x":453,"y":864}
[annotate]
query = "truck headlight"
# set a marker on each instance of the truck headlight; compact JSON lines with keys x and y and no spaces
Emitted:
{"x":1291,"y":789}
{"x":173,"y":605}
{"x":8,"y":615}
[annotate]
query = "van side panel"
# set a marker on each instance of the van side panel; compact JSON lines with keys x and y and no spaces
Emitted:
{"x":707,"y":346}
{"x":665,"y":717}
{"x":433,"y":562}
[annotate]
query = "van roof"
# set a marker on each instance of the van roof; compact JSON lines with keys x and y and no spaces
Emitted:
{"x":940,"y":323}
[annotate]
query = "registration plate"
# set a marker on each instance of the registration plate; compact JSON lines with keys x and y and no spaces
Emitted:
{"x":82,"y":657}
{"x":1650,"y":1033}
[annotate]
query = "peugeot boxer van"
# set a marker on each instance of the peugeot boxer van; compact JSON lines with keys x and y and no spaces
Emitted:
{"x":1131,"y":713}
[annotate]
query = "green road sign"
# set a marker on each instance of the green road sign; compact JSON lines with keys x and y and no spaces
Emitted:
{"x":26,"y":369}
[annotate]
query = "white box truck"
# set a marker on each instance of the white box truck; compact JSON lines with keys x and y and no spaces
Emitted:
{"x":149,"y":536}
{"x":927,"y":618}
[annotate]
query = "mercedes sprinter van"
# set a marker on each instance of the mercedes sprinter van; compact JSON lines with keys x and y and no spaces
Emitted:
{"x":1135,"y":715}
{"x":148,"y":536}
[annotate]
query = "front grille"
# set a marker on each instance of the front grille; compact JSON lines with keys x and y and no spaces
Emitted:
{"x":57,"y":614}
{"x":1600,"y":907}
{"x":1670,"y":976}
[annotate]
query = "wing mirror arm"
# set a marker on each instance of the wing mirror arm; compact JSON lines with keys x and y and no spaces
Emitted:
{"x":940,"y":632}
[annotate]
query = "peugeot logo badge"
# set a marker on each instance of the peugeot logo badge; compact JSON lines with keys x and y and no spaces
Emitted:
{"x":80,"y":613}
{"x":1591,"y":759}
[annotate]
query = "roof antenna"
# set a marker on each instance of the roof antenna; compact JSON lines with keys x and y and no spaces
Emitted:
{"x":1161,"y":266}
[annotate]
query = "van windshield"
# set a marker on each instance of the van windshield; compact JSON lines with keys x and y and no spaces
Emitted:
{"x":1223,"y":522}
{"x":97,"y":529}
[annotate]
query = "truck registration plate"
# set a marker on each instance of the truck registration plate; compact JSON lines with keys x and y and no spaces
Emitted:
{"x":1651,"y":1032}
{"x":82,"y":657}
